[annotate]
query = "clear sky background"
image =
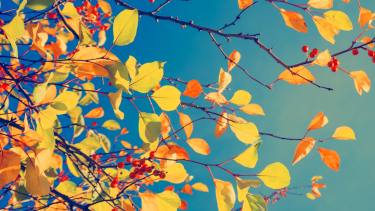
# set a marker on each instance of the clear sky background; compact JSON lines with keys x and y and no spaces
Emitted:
{"x":288,"y":108}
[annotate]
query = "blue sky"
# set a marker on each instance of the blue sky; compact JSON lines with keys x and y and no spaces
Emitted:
{"x":288,"y":108}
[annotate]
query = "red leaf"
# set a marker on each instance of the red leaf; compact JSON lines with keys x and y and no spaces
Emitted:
{"x":187,"y":189}
{"x":183,"y":205}
{"x":170,"y":188}
{"x":331,"y":158}
{"x":193,"y":89}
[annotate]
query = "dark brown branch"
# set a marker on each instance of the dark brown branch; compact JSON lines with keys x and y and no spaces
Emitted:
{"x":66,"y":23}
{"x":237,"y":18}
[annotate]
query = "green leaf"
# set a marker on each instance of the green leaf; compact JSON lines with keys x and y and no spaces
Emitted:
{"x":85,"y":101}
{"x":64,"y":102}
{"x":254,"y":203}
{"x":21,"y":7}
{"x":72,"y":168}
{"x":105,"y":143}
{"x":125,"y":27}
{"x":248,"y":158}
{"x":111,"y":125}
{"x":339,"y":19}
{"x":40,"y":90}
{"x":275,"y":176}
{"x":37,"y":4}
{"x":70,"y":10}
{"x":245,"y":132}
{"x":149,"y":127}
{"x":85,"y":37}
{"x":113,"y":173}
{"x":115,"y":99}
{"x":131,"y":64}
{"x":150,"y":74}
{"x":243,"y":186}
{"x":77,"y":118}
{"x":225,"y":195}
{"x":57,"y":126}
{"x":241,"y":98}
{"x":88,"y":145}
{"x":67,"y":187}
{"x":118,"y":75}
{"x":168,"y":201}
{"x":167,"y":97}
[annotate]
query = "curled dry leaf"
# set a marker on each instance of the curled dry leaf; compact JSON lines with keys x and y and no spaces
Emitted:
{"x":344,"y":133}
{"x":193,"y":89}
{"x":318,"y":122}
{"x":366,"y":40}
{"x":225,"y":195}
{"x":50,"y":95}
{"x":95,"y":113}
{"x":215,"y":97}
{"x":323,"y":58}
{"x":321,"y":4}
{"x":364,"y":16}
{"x":330,"y":158}
{"x":303,"y":148}
{"x":235,"y":56}
{"x":187,"y":124}
{"x":326,"y":28}
{"x":361,"y":81}
{"x":243,"y":4}
{"x":124,"y":131}
{"x":304,"y":76}
{"x":222,"y":124}
{"x":294,"y":20}
{"x":224,"y":79}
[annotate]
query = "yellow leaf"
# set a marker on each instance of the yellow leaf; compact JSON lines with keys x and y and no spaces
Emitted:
{"x":176,"y":173}
{"x":326,"y":28}
{"x":126,"y":144}
{"x":318,"y":122}
{"x":115,"y":99}
{"x":364,"y":16}
{"x":248,"y":158}
{"x":297,"y":79}
{"x":165,"y":201}
{"x":225,"y":195}
{"x":167,"y":97}
{"x":241,"y":98}
{"x":199,"y":145}
{"x":323,"y":58}
{"x":366,"y":40}
{"x":187,"y":124}
{"x":310,"y":196}
{"x":235,"y":56}
{"x":294,"y":20}
{"x":316,"y":178}
{"x":252,"y":109}
{"x":105,"y":6}
{"x":200,"y":187}
{"x":222,"y":124}
{"x":245,"y":132}
{"x":361,"y":81}
{"x":111,"y":125}
{"x":275,"y":176}
{"x":321,"y":4}
{"x":339,"y":19}
{"x":95,"y":113}
{"x":344,"y":133}
{"x":243,"y":186}
{"x":224,"y":79}
{"x":149,"y":76}
{"x":47,"y":117}
{"x":50,"y":94}
{"x":215,"y":97}
{"x":64,"y":102}
{"x":10,"y":166}
{"x":149,"y":127}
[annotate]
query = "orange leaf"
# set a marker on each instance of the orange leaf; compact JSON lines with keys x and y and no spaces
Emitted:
{"x":243,"y":4}
{"x":183,"y":205}
{"x":50,"y":95}
{"x":303,"y":148}
{"x":56,"y":161}
{"x":361,"y":81}
{"x":126,"y":144}
{"x":320,"y":185}
{"x":215,"y":97}
{"x":186,"y":189}
{"x":10,"y":166}
{"x":95,"y":113}
{"x":222,"y":124}
{"x":366,"y":40}
{"x":316,"y":192}
{"x":347,"y":1}
{"x":294,"y":20}
{"x":364,"y":16}
{"x":186,"y":123}
{"x":50,"y":31}
{"x":193,"y":89}
{"x":326,"y":28}
{"x":318,"y":122}
{"x":234,"y":56}
{"x":124,"y":131}
{"x":21,"y":105}
{"x":170,"y":188}
{"x":165,"y":122}
{"x":321,"y":4}
{"x":297,"y":79}
{"x":199,"y":145}
{"x":331,"y":158}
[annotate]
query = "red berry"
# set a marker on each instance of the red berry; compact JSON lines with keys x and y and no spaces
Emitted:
{"x":152,"y":154}
{"x":336,"y":62}
{"x":94,"y":124}
{"x":120,"y":165}
{"x":92,"y":31}
{"x":141,"y":162}
{"x":102,"y":28}
{"x":355,"y":52}
{"x":78,"y":9}
{"x":129,"y":159}
{"x":94,"y":9}
{"x":373,"y":60}
{"x":52,"y":15}
{"x":148,"y":169}
{"x":135,"y":163}
{"x":35,"y":77}
{"x":109,"y":84}
{"x":136,"y":170}
{"x":99,"y":171}
{"x":115,"y":179}
{"x":97,"y":5}
{"x":312,"y":55}
{"x":151,"y":1}
{"x":315,"y":51}
{"x":28,"y":69}
{"x":371,"y":53}
{"x":142,"y":169}
{"x":114,"y":209}
{"x":95,"y":157}
{"x":305,"y":49}
{"x":22,"y":66}
{"x":95,"y":13}
{"x":5,"y":86}
{"x":114,"y":185}
{"x":1,"y":22}
{"x":132,"y":175}
{"x":106,"y":27}
{"x":156,"y":173}
{"x":162,"y":175}
{"x":334,"y":69}
{"x":83,"y":7}
{"x":86,"y":3}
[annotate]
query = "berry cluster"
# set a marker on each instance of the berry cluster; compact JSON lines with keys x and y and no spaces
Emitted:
{"x":92,"y":16}
{"x":276,"y":194}
{"x":372,"y":55}
{"x":63,"y":177}
{"x":312,"y":54}
{"x":333,"y":64}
